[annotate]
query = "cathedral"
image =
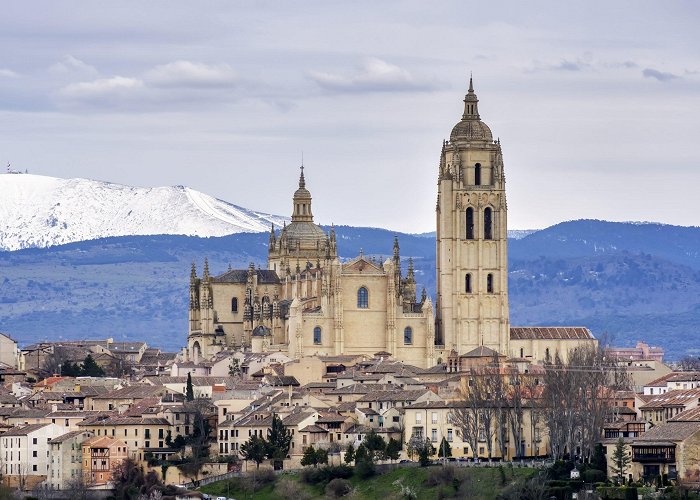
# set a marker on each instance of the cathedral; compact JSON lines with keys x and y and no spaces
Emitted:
{"x":307,"y":302}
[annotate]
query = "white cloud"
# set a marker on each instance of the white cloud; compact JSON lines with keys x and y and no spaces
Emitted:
{"x":8,"y":73}
{"x":69,"y":64}
{"x":102,"y":87}
{"x":375,"y":75}
{"x":191,"y":75}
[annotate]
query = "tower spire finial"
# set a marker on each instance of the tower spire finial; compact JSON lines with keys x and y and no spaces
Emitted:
{"x":471,"y":83}
{"x":302,"y":181}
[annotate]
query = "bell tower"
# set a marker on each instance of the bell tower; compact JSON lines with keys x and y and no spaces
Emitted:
{"x":472,"y":267}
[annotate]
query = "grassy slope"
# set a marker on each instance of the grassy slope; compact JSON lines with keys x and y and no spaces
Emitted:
{"x":484,"y":483}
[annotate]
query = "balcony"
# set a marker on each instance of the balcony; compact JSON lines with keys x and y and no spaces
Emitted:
{"x":659,"y":454}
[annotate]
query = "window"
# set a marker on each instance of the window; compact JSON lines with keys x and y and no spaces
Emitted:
{"x":470,"y":223}
{"x":419,"y":418}
{"x":434,"y":417}
{"x":33,"y":440}
{"x":34,"y":454}
{"x":433,"y":435}
{"x":522,"y":352}
{"x":489,"y":283}
{"x":468,"y":283}
{"x":234,"y":304}
{"x":408,"y":335}
{"x":477,"y":174}
{"x":317,"y":335}
{"x":362,"y":298}
{"x":449,"y":435}
{"x":488,"y":223}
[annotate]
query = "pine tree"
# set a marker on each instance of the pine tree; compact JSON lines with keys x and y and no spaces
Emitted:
{"x":393,"y":449}
{"x":445,"y":450}
{"x":255,"y":450}
{"x":375,"y":445}
{"x":349,"y":454}
{"x":309,"y":457}
{"x":279,"y":440}
{"x":620,"y":461}
{"x":91,"y":368}
{"x":234,"y":369}
{"x":189,"y":391}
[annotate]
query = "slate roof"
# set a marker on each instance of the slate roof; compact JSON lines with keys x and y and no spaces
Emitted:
{"x":692,"y":415}
{"x":265,"y":277}
{"x":670,"y":431}
{"x":132,"y":391}
{"x":65,"y":437}
{"x":550,"y":332}
{"x":23,"y":431}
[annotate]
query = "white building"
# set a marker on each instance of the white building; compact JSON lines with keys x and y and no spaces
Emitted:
{"x":25,"y":453}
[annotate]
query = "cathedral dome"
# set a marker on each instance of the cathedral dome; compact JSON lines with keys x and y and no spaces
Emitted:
{"x":470,"y":127}
{"x":471,"y":130}
{"x":306,"y":233}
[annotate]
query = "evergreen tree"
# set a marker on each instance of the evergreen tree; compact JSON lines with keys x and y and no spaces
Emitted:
{"x":620,"y":461}
{"x":255,"y":450}
{"x":364,"y":466}
{"x":189,"y":391}
{"x":322,"y":456}
{"x":69,"y":369}
{"x":445,"y":450}
{"x":393,"y":449}
{"x":91,"y":368}
{"x":425,"y":452}
{"x":309,"y":457}
{"x":279,"y":440}
{"x":375,"y":445}
{"x":349,"y":454}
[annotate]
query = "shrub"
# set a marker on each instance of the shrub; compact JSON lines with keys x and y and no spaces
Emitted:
{"x":364,"y":469}
{"x":593,"y":476}
{"x":288,"y":489}
{"x":323,"y":475}
{"x":441,"y":476}
{"x":337,"y":488}
{"x":253,"y":481}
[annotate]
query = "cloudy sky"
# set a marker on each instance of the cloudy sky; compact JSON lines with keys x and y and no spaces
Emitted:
{"x":597,"y":104}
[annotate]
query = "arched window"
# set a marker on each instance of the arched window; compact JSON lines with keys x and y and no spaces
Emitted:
{"x":234,"y":305}
{"x":522,"y":352}
{"x":470,"y":223}
{"x":489,"y":283}
{"x":488,"y":223}
{"x":546,"y":354}
{"x":468,"y":283}
{"x":408,"y":335}
{"x":317,"y":335}
{"x":362,"y":298}
{"x":477,"y":174}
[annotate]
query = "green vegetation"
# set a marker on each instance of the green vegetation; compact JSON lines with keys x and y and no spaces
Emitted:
{"x":425,"y":483}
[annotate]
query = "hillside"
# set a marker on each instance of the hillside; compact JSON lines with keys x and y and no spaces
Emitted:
{"x":40,"y":211}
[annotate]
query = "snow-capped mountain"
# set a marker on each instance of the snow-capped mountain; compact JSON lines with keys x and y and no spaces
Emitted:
{"x":41,"y":211}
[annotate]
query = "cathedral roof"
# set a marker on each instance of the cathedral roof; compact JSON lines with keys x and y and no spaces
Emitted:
{"x":304,"y":232}
{"x":471,"y":128}
{"x":265,"y":276}
{"x":550,"y":332}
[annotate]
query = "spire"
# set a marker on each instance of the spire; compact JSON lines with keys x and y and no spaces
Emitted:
{"x":302,"y":202}
{"x":471,"y":107}
{"x":206,"y":269}
{"x":272,"y":236}
{"x":193,"y":272}
{"x":411,"y":276}
{"x":396,"y":249}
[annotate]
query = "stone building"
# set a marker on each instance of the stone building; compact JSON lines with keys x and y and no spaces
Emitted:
{"x":307,"y":302}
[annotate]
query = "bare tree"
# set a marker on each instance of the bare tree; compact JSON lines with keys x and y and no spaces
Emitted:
{"x":466,"y":411}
